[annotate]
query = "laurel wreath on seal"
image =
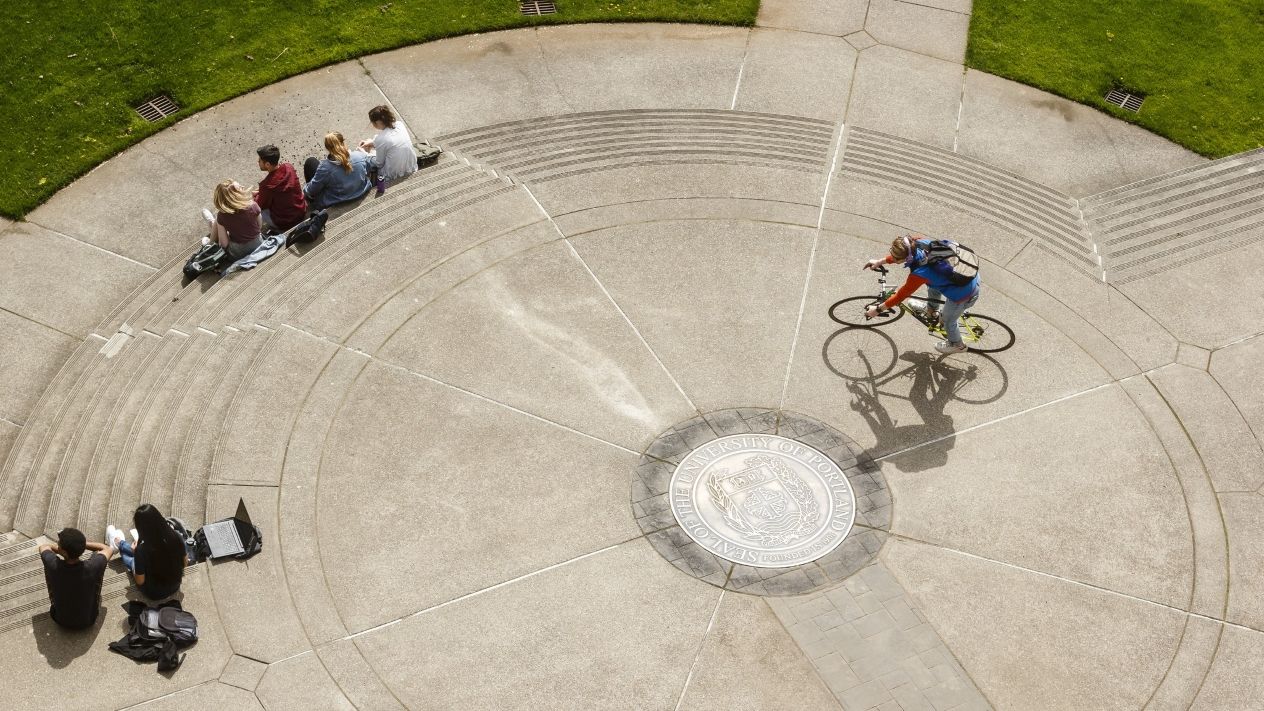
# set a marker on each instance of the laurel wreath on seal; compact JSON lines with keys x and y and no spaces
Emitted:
{"x":809,"y":510}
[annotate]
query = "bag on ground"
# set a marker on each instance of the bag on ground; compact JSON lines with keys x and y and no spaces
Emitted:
{"x":960,"y":259}
{"x":427,"y":154}
{"x":208,"y":257}
{"x":308,"y":230}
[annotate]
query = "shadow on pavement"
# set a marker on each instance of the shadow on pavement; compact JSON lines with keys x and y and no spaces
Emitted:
{"x":60,"y":646}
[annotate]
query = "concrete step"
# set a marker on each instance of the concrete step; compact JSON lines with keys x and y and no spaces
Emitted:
{"x":146,"y":386}
{"x":62,"y":434}
{"x":1111,"y":200}
{"x":72,"y":477}
{"x":52,"y":406}
{"x":160,"y":288}
{"x":11,"y":537}
{"x":1164,"y":198}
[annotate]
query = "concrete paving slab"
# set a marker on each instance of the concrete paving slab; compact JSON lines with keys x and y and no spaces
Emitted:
{"x":357,"y":680}
{"x":1236,"y":369}
{"x":36,"y":262}
{"x":257,"y":429}
{"x":1229,"y":450}
{"x":1035,"y":641}
{"x":39,"y":659}
{"x":652,"y":270}
{"x":906,"y":94}
{"x":8,"y":436}
{"x":728,"y":676}
{"x":964,"y":7}
{"x":1244,"y":525}
{"x":257,"y":611}
{"x":625,"y":66}
{"x":487,"y":494}
{"x":825,"y":17}
{"x":301,"y":684}
{"x":1085,"y":474}
{"x":618,"y":629}
{"x":919,"y":28}
{"x":114,"y":207}
{"x":1189,"y":666}
{"x":294,"y":115}
{"x":537,"y":333}
{"x":1177,"y":297}
{"x":430,"y":84}
{"x":918,"y":397}
{"x":211,"y":695}
{"x":1128,"y":325}
{"x":1233,"y":681}
{"x":32,"y":354}
{"x":1083,"y":151}
{"x":795,"y":73}
{"x":243,"y":672}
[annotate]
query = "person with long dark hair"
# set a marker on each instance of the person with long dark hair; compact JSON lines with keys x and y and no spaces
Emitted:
{"x":157,"y":560}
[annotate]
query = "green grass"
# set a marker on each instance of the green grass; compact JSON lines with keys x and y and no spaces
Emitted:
{"x":1200,"y":63}
{"x":74,"y":68}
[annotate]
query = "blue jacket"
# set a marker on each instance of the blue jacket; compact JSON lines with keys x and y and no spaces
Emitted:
{"x":332,"y":185}
{"x":937,"y":274}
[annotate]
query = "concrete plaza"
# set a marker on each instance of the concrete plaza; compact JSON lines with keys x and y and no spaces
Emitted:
{"x":437,"y":413}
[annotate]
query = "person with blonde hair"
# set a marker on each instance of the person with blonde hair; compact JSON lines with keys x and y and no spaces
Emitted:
{"x":236,"y":224}
{"x":342,"y":176}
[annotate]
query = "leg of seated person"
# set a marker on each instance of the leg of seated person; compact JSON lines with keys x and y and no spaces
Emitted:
{"x":128,"y":555}
{"x":220,"y":235}
{"x":266,"y":217}
{"x":309,"y":169}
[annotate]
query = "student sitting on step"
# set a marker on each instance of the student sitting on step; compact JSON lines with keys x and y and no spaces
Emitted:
{"x":236,"y":224}
{"x":157,"y":560}
{"x":391,"y":152}
{"x":280,"y":194}
{"x":74,"y":586}
{"x":342,"y":176}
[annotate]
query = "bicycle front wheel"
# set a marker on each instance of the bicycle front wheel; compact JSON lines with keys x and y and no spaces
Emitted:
{"x":984,"y":334}
{"x":851,"y":312}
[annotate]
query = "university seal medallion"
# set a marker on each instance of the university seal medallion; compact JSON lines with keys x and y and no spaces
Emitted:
{"x":762,"y":500}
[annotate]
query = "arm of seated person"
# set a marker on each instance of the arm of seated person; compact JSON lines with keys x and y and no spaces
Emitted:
{"x":107,"y":551}
{"x":138,"y":573}
{"x":316,"y":185}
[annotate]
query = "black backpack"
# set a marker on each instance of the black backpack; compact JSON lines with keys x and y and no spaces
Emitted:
{"x":168,"y":623}
{"x":208,"y":257}
{"x":962,"y":262}
{"x":308,"y":230}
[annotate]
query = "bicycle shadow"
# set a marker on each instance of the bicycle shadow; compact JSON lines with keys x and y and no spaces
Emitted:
{"x":933,"y":382}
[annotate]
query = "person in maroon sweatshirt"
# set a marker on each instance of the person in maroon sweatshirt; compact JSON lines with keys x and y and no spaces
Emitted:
{"x":280,"y":194}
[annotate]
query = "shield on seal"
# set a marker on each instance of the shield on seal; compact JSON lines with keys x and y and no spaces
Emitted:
{"x":760,"y":496}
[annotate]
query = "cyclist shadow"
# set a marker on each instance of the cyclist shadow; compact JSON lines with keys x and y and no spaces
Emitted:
{"x":934,"y":382}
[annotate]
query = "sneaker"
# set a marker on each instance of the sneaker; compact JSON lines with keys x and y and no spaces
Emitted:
{"x":945,"y":347}
{"x":136,"y":536}
{"x":113,"y":536}
{"x":207,"y":215}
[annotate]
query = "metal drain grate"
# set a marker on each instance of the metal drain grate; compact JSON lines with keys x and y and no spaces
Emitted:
{"x":157,"y":108}
{"x":1124,"y":100}
{"x":537,"y":7}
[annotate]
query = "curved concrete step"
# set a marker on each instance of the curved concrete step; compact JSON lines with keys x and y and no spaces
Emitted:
{"x":1161,"y":223}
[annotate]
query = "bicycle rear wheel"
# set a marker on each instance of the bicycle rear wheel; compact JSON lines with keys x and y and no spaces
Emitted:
{"x":851,"y":312}
{"x":984,"y":334}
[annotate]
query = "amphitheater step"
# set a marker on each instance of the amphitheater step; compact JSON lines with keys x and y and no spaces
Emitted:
{"x":1190,"y":214}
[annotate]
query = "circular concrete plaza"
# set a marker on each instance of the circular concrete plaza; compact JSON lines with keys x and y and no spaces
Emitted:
{"x":438,"y":414}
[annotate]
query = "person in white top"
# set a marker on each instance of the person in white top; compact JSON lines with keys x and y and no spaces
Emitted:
{"x":391,"y":150}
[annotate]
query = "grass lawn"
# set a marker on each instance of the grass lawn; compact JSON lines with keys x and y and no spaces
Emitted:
{"x":74,"y":68}
{"x":1200,"y":63}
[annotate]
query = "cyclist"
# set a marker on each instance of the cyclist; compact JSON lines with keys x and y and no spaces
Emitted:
{"x":911,"y":251}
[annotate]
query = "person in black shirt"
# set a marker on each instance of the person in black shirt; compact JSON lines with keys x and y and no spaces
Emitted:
{"x":74,"y":586}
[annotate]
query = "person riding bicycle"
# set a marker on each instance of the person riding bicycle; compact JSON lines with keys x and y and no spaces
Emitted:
{"x":911,"y":251}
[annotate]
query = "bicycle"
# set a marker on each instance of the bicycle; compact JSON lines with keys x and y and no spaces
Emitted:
{"x":981,"y":334}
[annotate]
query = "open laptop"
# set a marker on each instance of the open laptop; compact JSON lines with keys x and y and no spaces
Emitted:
{"x":226,"y":537}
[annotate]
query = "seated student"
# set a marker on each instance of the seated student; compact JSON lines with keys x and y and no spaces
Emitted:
{"x":157,"y":560}
{"x":279,"y":195}
{"x":391,"y":151}
{"x":342,"y":176}
{"x":236,"y":224}
{"x":74,"y":586}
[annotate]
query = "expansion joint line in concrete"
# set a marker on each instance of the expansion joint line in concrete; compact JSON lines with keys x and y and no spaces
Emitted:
{"x":741,"y":69}
{"x":627,"y":319}
{"x":807,"y":279}
{"x":702,"y":643}
{"x":1077,"y":583}
{"x":457,"y":388}
{"x":90,"y":245}
{"x":961,"y":105}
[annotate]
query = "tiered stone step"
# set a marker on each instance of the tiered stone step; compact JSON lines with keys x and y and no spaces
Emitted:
{"x":1153,"y":225}
{"x":1049,"y":218}
{"x":555,"y":147}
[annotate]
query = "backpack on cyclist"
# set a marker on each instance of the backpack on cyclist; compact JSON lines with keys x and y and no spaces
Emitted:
{"x":961,"y":261}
